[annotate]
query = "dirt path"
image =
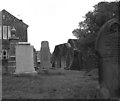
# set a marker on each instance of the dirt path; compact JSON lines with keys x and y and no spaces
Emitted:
{"x":54,"y":85}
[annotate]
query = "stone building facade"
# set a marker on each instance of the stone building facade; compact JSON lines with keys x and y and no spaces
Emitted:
{"x":12,"y":30}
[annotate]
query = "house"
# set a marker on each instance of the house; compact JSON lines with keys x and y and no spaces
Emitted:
{"x":9,"y":25}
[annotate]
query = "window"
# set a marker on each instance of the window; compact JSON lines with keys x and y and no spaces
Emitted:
{"x":4,"y":32}
{"x":0,"y":32}
{"x":9,"y":32}
{"x":4,"y":54}
{"x":3,"y":16}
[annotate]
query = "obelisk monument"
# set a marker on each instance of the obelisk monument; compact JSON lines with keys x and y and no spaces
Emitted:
{"x":45,"y":55}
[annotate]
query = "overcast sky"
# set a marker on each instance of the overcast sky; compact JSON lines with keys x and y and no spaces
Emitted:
{"x":50,"y":20}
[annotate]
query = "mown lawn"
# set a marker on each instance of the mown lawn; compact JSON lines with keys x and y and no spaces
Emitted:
{"x":52,"y":85}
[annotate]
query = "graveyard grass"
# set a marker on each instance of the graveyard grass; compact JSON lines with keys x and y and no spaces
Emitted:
{"x":54,"y":84}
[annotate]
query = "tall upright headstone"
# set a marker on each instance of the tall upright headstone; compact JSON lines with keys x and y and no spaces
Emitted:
{"x":12,"y":57}
{"x":45,"y":55}
{"x":24,"y":58}
{"x":107,"y":45}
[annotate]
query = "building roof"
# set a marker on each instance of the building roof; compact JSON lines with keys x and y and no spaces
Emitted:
{"x":14,"y":17}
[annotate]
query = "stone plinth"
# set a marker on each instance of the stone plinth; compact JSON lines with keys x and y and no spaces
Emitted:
{"x":24,"y":58}
{"x":12,"y":55}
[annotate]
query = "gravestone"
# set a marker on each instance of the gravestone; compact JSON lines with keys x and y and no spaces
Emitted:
{"x":24,"y":58}
{"x":77,"y":60}
{"x":11,"y":60}
{"x":45,"y":55}
{"x":62,"y":56}
{"x":107,"y":48}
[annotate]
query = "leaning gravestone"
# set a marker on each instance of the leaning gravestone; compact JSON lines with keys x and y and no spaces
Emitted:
{"x":45,"y":55}
{"x":107,"y":47}
{"x":24,"y":58}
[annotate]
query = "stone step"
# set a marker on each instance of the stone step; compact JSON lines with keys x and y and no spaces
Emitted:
{"x":12,"y":66}
{"x":12,"y":63}
{"x":12,"y":58}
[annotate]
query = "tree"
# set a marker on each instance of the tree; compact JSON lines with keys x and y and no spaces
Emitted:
{"x":103,"y":11}
{"x":88,"y":29}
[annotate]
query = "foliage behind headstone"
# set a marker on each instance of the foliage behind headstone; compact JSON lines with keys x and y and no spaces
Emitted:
{"x":103,"y":11}
{"x":88,"y":29}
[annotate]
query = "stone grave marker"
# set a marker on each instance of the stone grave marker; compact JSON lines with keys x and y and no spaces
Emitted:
{"x":107,"y":47}
{"x":24,"y":58}
{"x":45,"y":55}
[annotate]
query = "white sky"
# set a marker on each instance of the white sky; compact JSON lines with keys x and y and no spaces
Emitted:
{"x":51,"y":20}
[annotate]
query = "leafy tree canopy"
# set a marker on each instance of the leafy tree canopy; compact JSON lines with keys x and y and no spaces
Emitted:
{"x":103,"y":11}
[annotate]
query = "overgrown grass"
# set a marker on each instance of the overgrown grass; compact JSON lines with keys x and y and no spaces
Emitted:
{"x":53,"y":85}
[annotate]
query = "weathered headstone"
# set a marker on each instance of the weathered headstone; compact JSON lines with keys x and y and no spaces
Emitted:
{"x":24,"y":58}
{"x":107,"y":47}
{"x":62,"y":56}
{"x":77,"y":60}
{"x":45,"y":55}
{"x":11,"y":60}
